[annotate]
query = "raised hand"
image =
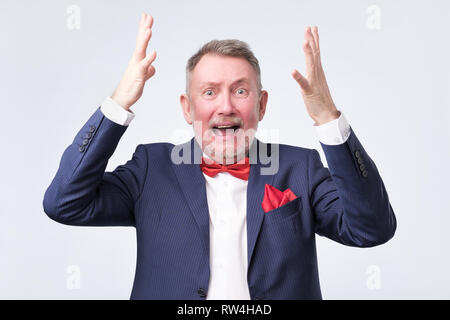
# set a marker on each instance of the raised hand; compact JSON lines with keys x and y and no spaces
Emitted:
{"x":139,"y":69}
{"x":315,"y":92}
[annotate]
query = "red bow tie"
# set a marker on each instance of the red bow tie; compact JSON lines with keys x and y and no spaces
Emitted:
{"x":239,"y":170}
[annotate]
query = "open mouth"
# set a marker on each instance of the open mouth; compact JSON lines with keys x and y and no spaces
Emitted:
{"x":226,"y":130}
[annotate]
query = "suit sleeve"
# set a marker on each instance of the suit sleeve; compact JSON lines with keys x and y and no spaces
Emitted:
{"x":349,"y":201}
{"x":82,"y":193}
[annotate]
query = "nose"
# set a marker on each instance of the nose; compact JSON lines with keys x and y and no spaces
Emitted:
{"x":226,"y":104}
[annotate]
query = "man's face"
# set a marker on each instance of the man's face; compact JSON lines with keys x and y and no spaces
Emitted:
{"x":224,"y":105}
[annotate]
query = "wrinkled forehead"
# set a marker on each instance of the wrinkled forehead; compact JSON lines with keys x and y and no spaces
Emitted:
{"x":222,"y":71}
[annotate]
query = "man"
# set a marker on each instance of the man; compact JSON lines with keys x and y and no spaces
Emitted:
{"x":216,"y":224}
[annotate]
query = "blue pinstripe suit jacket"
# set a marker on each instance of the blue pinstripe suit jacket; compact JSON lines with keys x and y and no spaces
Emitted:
{"x":167,"y":205}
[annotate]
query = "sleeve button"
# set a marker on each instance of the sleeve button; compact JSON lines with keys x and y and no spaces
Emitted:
{"x":201,"y":292}
{"x":81,"y":148}
{"x":91,"y":129}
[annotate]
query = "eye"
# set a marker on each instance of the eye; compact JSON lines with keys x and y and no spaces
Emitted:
{"x":241,"y":91}
{"x":209,"y":92}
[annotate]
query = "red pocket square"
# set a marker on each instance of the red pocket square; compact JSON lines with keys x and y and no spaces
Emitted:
{"x":274,"y":198}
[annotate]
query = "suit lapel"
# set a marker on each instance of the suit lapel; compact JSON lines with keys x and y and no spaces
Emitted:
{"x":192,"y":184}
{"x":255,"y":194}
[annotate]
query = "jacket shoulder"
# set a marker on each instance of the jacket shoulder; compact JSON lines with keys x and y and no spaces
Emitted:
{"x":158,"y":146}
{"x":294,"y":152}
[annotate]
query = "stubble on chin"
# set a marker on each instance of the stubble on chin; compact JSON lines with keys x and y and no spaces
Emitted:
{"x":227,"y":151}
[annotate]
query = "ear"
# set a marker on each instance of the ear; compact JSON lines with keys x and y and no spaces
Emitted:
{"x":264,"y":96}
{"x":186,"y":107}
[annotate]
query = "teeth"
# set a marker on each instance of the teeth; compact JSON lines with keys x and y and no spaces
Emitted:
{"x":219,"y":130}
{"x":225,"y":127}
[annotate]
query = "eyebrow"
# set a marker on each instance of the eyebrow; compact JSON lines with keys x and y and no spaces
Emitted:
{"x":216,"y":84}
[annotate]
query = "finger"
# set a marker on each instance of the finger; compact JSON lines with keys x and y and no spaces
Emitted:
{"x":148,"y":60}
{"x":141,"y":27}
{"x":148,"y":21}
{"x":309,"y":36}
{"x":141,"y":23}
{"x":140,"y":34}
{"x":309,"y":57}
{"x":142,"y":43}
{"x":301,"y":80}
{"x":315,"y":33}
{"x":144,"y":36}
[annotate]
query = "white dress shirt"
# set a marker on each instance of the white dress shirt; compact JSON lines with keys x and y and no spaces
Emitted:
{"x":227,"y":204}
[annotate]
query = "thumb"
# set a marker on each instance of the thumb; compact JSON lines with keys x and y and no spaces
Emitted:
{"x":301,"y":80}
{"x":149,"y":59}
{"x":150,"y":71}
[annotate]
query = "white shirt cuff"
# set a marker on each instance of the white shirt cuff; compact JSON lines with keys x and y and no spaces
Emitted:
{"x":114,"y":112}
{"x":334,"y":132}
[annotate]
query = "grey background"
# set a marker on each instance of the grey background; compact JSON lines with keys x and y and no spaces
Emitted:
{"x":392,"y":84}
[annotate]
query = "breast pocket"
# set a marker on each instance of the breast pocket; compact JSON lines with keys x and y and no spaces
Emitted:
{"x":283,"y":224}
{"x":286,"y":211}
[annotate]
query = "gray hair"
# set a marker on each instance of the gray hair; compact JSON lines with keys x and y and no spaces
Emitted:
{"x":228,"y":48}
